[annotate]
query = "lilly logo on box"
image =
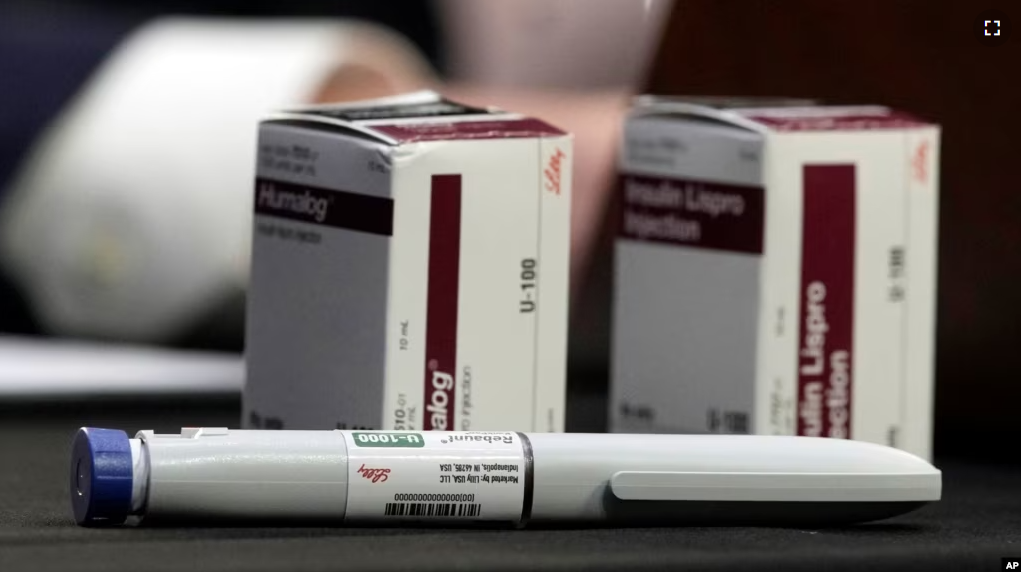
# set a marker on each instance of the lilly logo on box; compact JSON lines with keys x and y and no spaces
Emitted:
{"x":920,"y":162}
{"x":553,"y":171}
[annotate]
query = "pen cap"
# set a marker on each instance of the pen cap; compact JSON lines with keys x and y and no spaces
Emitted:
{"x":101,"y":476}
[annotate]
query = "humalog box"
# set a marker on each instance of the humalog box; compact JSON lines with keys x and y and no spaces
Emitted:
{"x":409,"y":269}
{"x":775,"y":271}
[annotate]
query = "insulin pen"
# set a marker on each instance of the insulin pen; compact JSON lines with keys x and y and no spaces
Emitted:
{"x":505,"y":478}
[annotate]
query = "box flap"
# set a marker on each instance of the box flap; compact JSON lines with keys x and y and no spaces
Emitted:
{"x":778,"y":114}
{"x":720,"y":109}
{"x":419,"y":116}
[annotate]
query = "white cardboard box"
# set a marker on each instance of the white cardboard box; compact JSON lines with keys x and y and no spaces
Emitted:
{"x":775,"y":272}
{"x":409,"y":269}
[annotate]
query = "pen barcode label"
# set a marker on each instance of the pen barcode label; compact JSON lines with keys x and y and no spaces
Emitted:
{"x":451,"y":509}
{"x":435,"y":476}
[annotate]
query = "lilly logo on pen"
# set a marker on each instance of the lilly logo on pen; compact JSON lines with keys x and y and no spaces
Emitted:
{"x":374,"y":475}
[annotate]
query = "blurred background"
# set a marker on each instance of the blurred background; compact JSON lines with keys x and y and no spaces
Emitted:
{"x":127,"y":138}
{"x":102,"y":98}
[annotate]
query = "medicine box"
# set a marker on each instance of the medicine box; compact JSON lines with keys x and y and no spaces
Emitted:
{"x":775,"y":271}
{"x":409,"y":269}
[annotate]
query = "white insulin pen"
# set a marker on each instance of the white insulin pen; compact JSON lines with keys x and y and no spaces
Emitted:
{"x":507,"y":478}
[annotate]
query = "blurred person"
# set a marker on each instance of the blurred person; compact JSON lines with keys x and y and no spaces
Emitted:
{"x":130,"y":219}
{"x":62,"y":60}
{"x":147,"y":166}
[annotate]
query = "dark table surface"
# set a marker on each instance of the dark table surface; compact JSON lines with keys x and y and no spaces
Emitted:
{"x":977,"y":523}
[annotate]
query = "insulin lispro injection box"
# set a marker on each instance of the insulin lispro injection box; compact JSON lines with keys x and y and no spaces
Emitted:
{"x":409,"y":269}
{"x":775,"y":271}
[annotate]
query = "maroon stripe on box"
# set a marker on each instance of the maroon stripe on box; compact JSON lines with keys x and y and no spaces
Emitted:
{"x":826,"y":317}
{"x":692,"y":213}
{"x":443,"y":131}
{"x":441,"y":302}
{"x":326,"y":207}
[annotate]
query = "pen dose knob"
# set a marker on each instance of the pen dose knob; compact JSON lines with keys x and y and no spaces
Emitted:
{"x":101,"y":476}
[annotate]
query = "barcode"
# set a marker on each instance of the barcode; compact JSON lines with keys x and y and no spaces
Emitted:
{"x":727,"y":421}
{"x":736,"y":421}
{"x":432,"y":509}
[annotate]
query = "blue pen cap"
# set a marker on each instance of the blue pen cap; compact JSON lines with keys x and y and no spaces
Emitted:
{"x":101,"y":476}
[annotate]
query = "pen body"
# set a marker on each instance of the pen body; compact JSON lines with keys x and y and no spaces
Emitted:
{"x":515,"y":479}
{"x":622,"y":479}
